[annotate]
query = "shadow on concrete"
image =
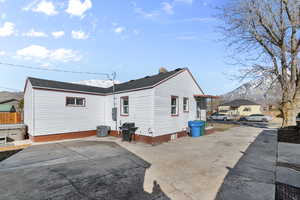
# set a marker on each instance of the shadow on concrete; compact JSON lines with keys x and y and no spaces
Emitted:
{"x":77,"y":170}
{"x":253,"y":177}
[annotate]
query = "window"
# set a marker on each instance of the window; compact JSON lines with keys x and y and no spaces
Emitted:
{"x":185,"y":104}
{"x":247,"y":109}
{"x":124,"y":106}
{"x":174,"y":106}
{"x":75,"y":101}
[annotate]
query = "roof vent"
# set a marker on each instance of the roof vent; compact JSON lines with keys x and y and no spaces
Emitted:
{"x":162,"y":70}
{"x":147,"y":76}
{"x":178,"y":69}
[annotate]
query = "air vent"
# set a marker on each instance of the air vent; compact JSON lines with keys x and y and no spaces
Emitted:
{"x":178,"y":69}
{"x":147,"y":76}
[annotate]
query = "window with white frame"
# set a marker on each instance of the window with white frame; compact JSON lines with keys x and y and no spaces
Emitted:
{"x":75,"y":101}
{"x":124,"y":106}
{"x":185,"y":104}
{"x":174,"y":106}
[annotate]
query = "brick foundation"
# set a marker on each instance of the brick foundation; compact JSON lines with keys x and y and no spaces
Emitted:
{"x":149,"y":139}
{"x":62,"y":136}
{"x":114,"y":133}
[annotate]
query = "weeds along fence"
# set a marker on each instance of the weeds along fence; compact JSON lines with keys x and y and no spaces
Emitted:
{"x":10,"y":118}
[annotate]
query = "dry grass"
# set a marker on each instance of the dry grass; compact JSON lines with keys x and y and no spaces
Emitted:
{"x":222,"y":127}
{"x":13,"y":147}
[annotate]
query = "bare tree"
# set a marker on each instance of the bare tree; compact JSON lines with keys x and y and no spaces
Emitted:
{"x":266,"y":33}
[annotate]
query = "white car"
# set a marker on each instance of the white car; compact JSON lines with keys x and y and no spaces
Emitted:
{"x":218,"y":116}
{"x":258,"y":118}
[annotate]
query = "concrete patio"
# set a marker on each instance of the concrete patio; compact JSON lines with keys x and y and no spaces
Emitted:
{"x":187,"y":168}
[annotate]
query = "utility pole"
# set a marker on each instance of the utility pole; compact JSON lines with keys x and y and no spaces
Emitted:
{"x":114,"y":74}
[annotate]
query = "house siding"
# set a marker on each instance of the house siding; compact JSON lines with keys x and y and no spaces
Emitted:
{"x":254,"y":109}
{"x":149,"y":109}
{"x":52,"y":116}
{"x":182,"y":86}
{"x":29,"y":108}
{"x":140,"y":110}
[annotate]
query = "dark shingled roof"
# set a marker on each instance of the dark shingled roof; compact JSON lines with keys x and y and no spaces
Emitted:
{"x":43,"y":83}
{"x":239,"y":102}
{"x":145,"y":82}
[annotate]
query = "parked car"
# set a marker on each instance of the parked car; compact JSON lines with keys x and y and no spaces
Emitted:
{"x":219,"y":116}
{"x":258,"y":118}
{"x":298,"y":120}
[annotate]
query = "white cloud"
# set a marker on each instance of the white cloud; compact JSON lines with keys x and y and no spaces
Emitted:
{"x":79,"y":35}
{"x":44,"y":6}
{"x":184,"y":1}
{"x":140,"y":11}
{"x":46,"y":65}
{"x":78,"y":8}
{"x":136,"y":32}
{"x":2,"y":53}
{"x":58,"y":34}
{"x":64,"y":55}
{"x":2,"y":1}
{"x":7,"y":29}
{"x":34,"y":51}
{"x":119,"y":30}
{"x":33,"y":33}
{"x":40,"y":52}
{"x":168,"y":8}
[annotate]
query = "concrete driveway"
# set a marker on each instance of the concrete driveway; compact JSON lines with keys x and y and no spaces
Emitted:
{"x":193,"y":168}
{"x":96,"y":168}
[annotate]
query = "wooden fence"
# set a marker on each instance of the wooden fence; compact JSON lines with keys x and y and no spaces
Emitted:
{"x":10,"y":118}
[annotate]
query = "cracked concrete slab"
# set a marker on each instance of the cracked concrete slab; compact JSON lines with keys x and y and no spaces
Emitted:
{"x":289,"y":153}
{"x":85,"y":170}
{"x":253,"y":177}
{"x":288,"y":176}
{"x":184,"y":169}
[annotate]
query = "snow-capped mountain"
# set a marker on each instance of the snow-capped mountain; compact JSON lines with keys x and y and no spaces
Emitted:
{"x":98,"y":83}
{"x":262,"y":94}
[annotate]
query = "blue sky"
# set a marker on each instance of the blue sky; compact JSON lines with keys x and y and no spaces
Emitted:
{"x":133,"y":38}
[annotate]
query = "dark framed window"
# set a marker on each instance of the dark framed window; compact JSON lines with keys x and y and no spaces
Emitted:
{"x":124,"y":106}
{"x":186,"y":104}
{"x":174,"y":106}
{"x":247,"y":109}
{"x":75,"y":101}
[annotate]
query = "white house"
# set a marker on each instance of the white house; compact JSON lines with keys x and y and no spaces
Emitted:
{"x":160,"y":106}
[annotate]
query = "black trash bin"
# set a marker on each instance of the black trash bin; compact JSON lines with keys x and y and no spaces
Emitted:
{"x":128,"y":131}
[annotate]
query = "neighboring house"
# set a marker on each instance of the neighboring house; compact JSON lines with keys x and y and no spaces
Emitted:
{"x":160,"y":106}
{"x":7,"y":108}
{"x":11,"y":102}
{"x":240,"y":107}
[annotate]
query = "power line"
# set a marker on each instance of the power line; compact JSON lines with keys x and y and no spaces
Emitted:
{"x":53,"y":70}
{"x":13,"y":89}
